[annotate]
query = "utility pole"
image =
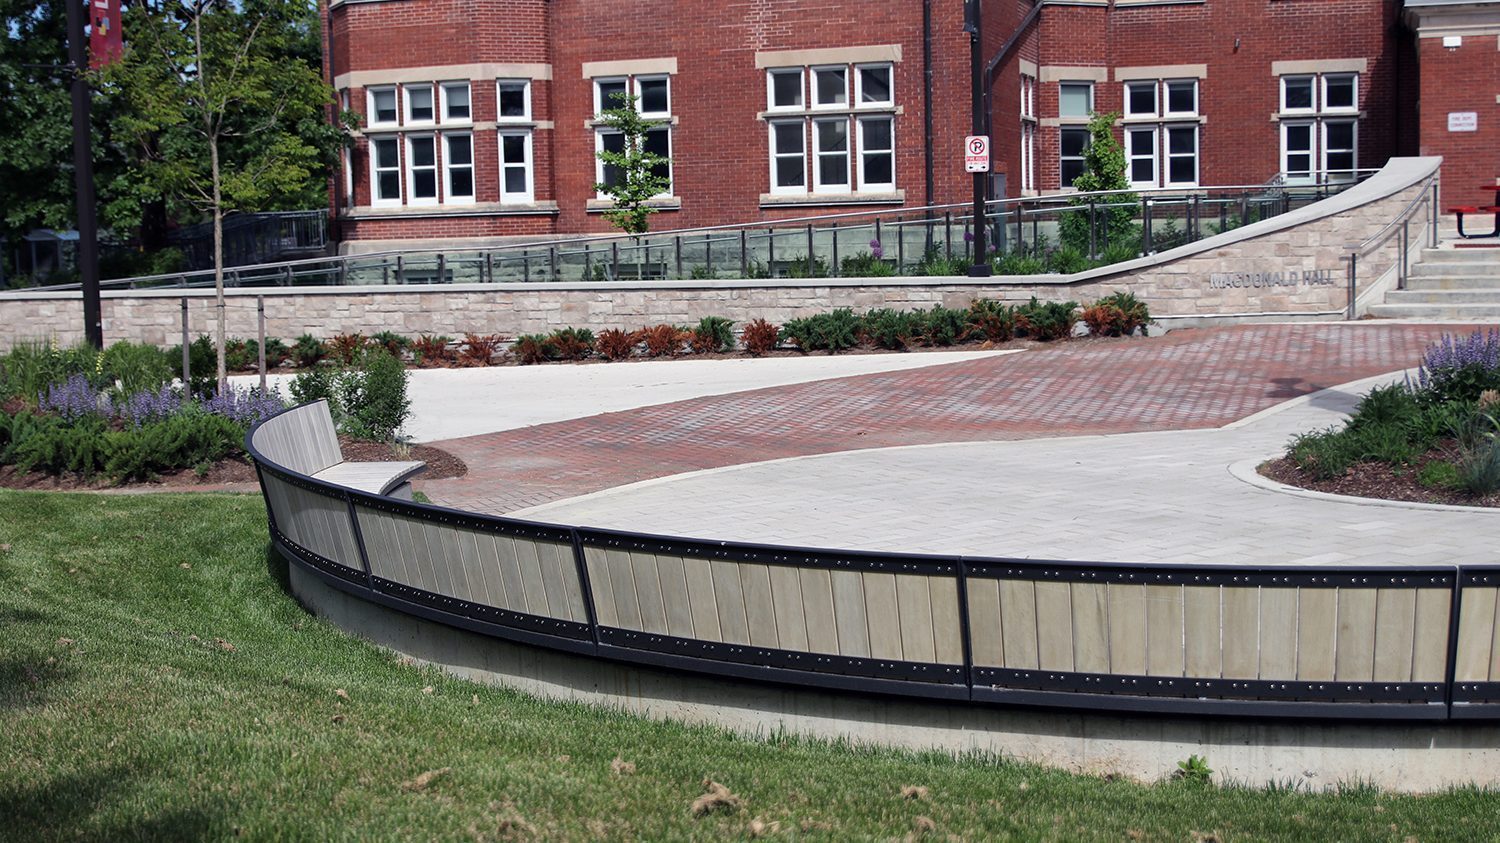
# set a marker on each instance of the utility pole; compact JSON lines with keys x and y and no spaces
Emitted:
{"x":980,"y":268}
{"x":83,"y":178}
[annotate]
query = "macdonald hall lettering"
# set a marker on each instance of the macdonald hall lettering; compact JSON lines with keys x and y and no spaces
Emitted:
{"x":1289,"y":278}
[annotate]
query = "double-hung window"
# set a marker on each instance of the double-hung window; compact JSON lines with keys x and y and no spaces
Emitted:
{"x":1075,"y":103}
{"x":1161,"y":132}
{"x":385,"y":170}
{"x":832,"y":128}
{"x":1028,"y":133}
{"x":652,"y":95}
{"x":1319,"y":127}
{"x":514,"y":139}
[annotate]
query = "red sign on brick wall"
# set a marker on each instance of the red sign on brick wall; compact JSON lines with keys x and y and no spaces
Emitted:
{"x":105,"y":42}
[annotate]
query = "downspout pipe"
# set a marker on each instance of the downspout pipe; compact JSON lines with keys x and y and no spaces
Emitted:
{"x":927,"y":132}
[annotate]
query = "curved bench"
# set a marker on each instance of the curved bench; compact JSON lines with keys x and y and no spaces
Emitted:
{"x":1383,"y":643}
{"x":305,"y":441}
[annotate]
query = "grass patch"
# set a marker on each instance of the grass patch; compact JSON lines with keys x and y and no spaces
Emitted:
{"x":156,"y":682}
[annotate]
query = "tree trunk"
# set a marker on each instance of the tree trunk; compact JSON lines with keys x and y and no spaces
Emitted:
{"x":218,"y":209}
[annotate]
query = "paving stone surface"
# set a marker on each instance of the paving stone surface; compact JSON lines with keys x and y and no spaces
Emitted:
{"x":1189,"y":379}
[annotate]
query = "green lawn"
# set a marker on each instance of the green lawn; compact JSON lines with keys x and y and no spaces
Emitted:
{"x":156,"y":682}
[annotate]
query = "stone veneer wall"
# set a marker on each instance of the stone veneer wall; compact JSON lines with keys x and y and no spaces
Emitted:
{"x":1220,"y":278}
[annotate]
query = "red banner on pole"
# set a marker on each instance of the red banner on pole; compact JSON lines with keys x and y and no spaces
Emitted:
{"x":105,"y":42}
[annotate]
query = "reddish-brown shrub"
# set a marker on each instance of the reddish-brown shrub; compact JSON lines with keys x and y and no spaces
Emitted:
{"x":615,"y":344}
{"x":1104,"y":320}
{"x":571,"y":343}
{"x":759,"y":337}
{"x":429,"y":351}
{"x":663,"y":340}
{"x":480,"y":349}
{"x":345,"y":348}
{"x":533,"y":348}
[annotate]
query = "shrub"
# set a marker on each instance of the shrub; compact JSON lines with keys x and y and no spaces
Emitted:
{"x":239,"y":356}
{"x":834,"y":331}
{"x":615,"y":344}
{"x":276,"y":352}
{"x":1047,"y":321}
{"x":1454,"y":369}
{"x":203,"y":364}
{"x":934,"y":262}
{"x":893,"y":329}
{"x":1439,"y":475}
{"x":134,"y":367}
{"x":1394,"y":404}
{"x":943,"y":325}
{"x":1066,"y":260}
{"x":183,"y":440}
{"x":993,"y":320}
{"x":429,"y":350}
{"x":480,"y":350}
{"x":54,"y":445}
{"x":318,"y":383}
{"x":1019,"y":262}
{"x":346,"y":348}
{"x":713,"y":334}
{"x":802,"y":267}
{"x":572,"y":343}
{"x":663,"y":340}
{"x":392,"y":342}
{"x":531,"y":349}
{"x":1116,"y":315}
{"x":866,"y":265}
{"x":377,"y":407}
{"x":759,"y":337}
{"x":308,"y":351}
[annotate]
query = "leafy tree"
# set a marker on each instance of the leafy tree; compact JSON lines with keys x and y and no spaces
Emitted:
{"x":220,"y":119}
{"x":640,"y":175}
{"x":1103,"y":169}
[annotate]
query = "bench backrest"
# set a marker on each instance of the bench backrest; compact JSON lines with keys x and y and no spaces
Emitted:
{"x":302,"y":439}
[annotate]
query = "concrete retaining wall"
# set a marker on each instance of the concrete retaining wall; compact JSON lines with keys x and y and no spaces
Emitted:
{"x":1289,"y":266}
{"x":1413,"y":757}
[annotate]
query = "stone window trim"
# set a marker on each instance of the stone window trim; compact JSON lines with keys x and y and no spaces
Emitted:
{"x":386,"y":77}
{"x":478,"y":209}
{"x":812,"y":200}
{"x":660,"y":203}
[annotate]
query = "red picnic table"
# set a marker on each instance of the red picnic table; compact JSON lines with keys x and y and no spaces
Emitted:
{"x":1460,"y":210}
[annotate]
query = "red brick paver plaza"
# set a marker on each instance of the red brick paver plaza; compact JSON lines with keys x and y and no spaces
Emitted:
{"x":1187,"y":379}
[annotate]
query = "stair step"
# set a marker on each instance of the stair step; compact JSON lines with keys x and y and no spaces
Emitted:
{"x":1448,"y":257}
{"x":1415,"y":281}
{"x":1490,"y":296}
{"x":1475,"y":312}
{"x":1454,"y":270}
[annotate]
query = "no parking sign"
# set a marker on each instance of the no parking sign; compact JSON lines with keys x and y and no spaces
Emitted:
{"x":977,"y":154}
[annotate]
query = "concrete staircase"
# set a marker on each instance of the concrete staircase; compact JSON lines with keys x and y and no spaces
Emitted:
{"x":1449,"y":283}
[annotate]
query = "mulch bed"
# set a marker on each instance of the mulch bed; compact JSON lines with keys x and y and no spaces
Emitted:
{"x":231,"y":474}
{"x":1378,"y":480}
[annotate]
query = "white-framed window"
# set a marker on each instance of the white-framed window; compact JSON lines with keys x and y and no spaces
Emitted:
{"x":458,"y":168}
{"x":1319,"y":127}
{"x":346,"y":157}
{"x":1028,"y":133}
{"x":455,"y":102}
{"x":654,"y":96}
{"x":1073,"y":141}
{"x":874,"y":85}
{"x":1340,"y":149}
{"x":653,"y":101}
{"x":784,"y":89}
{"x":381,"y":108}
{"x":788,"y":156}
{"x":421,"y":170}
{"x":385,"y":170}
{"x":608,"y":92}
{"x":1181,"y":98}
{"x":831,"y":154}
{"x":515,"y":167}
{"x":1140,"y":99}
{"x":1297,"y":150}
{"x":420,"y":110}
{"x":1297,"y":94}
{"x":877,"y":154}
{"x":830,"y":86}
{"x":512,"y":100}
{"x":1140,"y":155}
{"x":1075,"y":99}
{"x":1182,"y":156}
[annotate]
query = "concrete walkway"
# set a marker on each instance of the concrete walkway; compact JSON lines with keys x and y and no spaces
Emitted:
{"x":1147,"y":497}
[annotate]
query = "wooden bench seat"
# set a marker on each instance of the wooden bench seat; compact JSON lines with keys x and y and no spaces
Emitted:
{"x":306,"y":442}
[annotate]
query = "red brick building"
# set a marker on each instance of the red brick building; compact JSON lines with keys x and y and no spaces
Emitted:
{"x":479,"y":118}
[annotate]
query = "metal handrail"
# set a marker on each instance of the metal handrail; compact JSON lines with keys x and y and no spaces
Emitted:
{"x":1022,"y":206}
{"x":1425,"y":198}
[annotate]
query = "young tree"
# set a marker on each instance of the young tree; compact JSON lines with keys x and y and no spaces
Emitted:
{"x":1103,"y":169}
{"x":220,"y":117}
{"x":633,"y":175}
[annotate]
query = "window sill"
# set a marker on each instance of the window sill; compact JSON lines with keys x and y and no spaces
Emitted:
{"x":1295,"y":116}
{"x":598,"y":123}
{"x":665,"y":203}
{"x":1125,"y":4}
{"x":799,"y":114}
{"x":781,"y":200}
{"x":1142,"y":120}
{"x":472,"y":209}
{"x":1053,"y":122}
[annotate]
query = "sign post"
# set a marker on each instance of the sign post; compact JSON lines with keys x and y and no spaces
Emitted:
{"x":981,"y":265}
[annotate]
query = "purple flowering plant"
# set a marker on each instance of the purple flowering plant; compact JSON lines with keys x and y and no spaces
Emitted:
{"x":1456,"y":368}
{"x":245,"y":407}
{"x":876,"y":250}
{"x":74,"y":399}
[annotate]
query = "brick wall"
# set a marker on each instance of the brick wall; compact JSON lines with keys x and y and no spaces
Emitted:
{"x":1462,"y":79}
